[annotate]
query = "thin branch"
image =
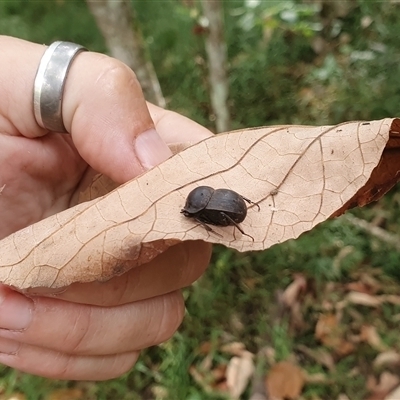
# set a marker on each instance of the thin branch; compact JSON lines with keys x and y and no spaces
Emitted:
{"x":376,"y":231}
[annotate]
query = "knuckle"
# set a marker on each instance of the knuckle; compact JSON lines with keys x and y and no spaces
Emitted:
{"x":172,"y":315}
{"x":66,"y":366}
{"x":198,"y":258}
{"x":76,"y":336}
{"x":120,"y":364}
{"x":116,"y":76}
{"x":61,"y":367}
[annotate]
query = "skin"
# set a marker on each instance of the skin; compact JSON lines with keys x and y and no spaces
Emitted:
{"x":89,"y":331}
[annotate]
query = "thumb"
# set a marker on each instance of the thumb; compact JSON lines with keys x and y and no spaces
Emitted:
{"x":107,"y":116}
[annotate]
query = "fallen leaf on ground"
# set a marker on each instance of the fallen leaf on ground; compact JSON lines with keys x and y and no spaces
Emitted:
{"x":394,"y":395}
{"x":359,"y":287}
{"x":321,"y":356}
{"x":15,"y":396}
{"x":238,"y":374}
{"x":371,"y":283}
{"x":206,"y":363}
{"x":284,"y":381}
{"x":234,"y":348}
{"x":387,"y":358}
{"x":200,"y":379}
{"x":363,"y":299}
{"x":390,"y":298}
{"x":370,"y":335}
{"x":298,"y":175}
{"x":330,"y":333}
{"x":327,"y":330}
{"x":205,"y":348}
{"x":317,"y":378}
{"x":293,"y":291}
{"x":387,"y":382}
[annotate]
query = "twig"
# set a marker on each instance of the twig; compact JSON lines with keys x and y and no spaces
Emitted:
{"x":379,"y":233}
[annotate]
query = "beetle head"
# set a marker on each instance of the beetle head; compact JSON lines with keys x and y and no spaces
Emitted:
{"x":197,"y":200}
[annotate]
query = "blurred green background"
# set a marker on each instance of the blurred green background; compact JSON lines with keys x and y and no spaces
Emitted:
{"x":290,"y":62}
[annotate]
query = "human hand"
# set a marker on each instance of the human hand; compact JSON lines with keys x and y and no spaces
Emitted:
{"x":94,"y":330}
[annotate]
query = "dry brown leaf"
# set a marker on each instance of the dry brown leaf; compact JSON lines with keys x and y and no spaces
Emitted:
{"x":327,"y":330}
{"x":370,"y":282}
{"x":361,"y":287}
{"x":200,"y":379}
{"x":219,"y":376}
{"x":234,"y":348}
{"x":238,"y":374}
{"x":344,"y":348}
{"x":370,"y":335}
{"x":330,"y":333}
{"x":394,"y":395}
{"x":205,"y":348}
{"x":387,"y":358}
{"x":321,"y":356}
{"x":206,"y":363}
{"x":390,"y":298}
{"x":358,"y":287}
{"x":299,"y":175}
{"x":15,"y":396}
{"x":317,"y":378}
{"x":160,"y":392}
{"x":292,"y":292}
{"x":210,"y":379}
{"x":284,"y":381}
{"x":363,"y":299}
{"x":387,"y":382}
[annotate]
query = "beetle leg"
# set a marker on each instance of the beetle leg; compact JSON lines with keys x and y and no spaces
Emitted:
{"x":250,"y":202}
{"x":207,"y":228}
{"x":237,"y":225}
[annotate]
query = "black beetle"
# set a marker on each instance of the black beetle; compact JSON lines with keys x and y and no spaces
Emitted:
{"x":220,"y":207}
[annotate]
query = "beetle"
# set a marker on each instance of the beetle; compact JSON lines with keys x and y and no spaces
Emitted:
{"x":219,"y":207}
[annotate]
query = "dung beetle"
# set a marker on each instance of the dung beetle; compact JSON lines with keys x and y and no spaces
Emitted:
{"x":219,"y":207}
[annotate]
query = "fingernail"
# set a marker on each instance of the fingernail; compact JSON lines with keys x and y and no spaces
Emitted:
{"x":151,"y":149}
{"x":15,"y":310}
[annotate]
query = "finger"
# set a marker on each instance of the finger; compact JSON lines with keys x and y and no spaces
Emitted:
{"x":175,"y":128}
{"x":103,"y":108}
{"x":54,"y":365}
{"x":175,"y":268}
{"x":89,"y":330}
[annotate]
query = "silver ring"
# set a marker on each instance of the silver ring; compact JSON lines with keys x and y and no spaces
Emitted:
{"x":49,"y":84}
